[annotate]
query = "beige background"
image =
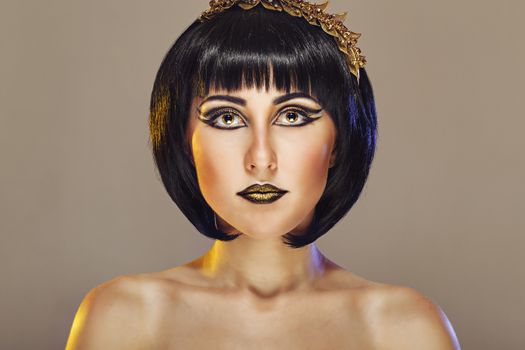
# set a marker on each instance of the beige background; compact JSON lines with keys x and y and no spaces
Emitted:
{"x":81,"y":203}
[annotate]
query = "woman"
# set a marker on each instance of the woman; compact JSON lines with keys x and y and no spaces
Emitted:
{"x":263,"y":130}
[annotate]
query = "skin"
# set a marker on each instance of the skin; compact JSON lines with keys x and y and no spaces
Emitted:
{"x":293,"y":158}
{"x":254,"y":292}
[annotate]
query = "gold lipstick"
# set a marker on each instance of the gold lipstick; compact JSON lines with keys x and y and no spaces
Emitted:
{"x":262,"y":193}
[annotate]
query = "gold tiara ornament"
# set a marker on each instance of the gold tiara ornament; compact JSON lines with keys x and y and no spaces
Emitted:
{"x":313,"y":13}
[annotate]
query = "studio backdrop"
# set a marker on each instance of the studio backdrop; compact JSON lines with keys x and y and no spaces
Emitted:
{"x":81,"y":203}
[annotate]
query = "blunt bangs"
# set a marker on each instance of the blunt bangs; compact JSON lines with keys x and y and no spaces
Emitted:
{"x":261,"y":48}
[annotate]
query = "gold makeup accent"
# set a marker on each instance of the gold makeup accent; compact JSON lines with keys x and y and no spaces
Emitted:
{"x":307,"y":114}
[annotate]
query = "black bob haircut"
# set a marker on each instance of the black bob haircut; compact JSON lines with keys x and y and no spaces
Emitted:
{"x":244,"y":48}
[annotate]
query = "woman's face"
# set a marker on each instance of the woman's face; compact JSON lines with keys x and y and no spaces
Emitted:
{"x":255,"y":136}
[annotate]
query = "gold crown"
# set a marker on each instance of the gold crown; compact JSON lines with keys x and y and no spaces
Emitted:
{"x":313,"y":13}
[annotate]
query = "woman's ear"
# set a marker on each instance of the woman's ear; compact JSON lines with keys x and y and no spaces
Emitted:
{"x":333,"y":155}
{"x":332,"y":159}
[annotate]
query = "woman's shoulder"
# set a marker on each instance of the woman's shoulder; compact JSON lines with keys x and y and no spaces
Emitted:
{"x":129,"y":291}
{"x":120,"y":313}
{"x":403,"y":317}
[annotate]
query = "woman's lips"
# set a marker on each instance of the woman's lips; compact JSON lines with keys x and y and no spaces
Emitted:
{"x":263,"y":198}
{"x":262,"y":194}
{"x":264,"y":188}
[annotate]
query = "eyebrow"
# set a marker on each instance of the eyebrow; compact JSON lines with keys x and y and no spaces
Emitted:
{"x":242,"y":102}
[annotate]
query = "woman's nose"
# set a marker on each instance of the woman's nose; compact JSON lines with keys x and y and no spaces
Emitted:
{"x":261,"y":153}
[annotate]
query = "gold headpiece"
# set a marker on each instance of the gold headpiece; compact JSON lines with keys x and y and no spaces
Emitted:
{"x":313,"y":13}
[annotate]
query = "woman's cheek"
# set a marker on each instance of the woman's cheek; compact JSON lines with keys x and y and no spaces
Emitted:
{"x":216,"y":172}
{"x":205,"y":165}
{"x":315,"y":166}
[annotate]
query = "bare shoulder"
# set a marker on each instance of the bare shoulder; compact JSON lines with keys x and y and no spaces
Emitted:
{"x":118,"y":314}
{"x":402,"y":318}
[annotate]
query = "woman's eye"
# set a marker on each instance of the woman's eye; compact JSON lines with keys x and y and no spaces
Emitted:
{"x":227,"y":120}
{"x":293,"y":117}
{"x":224,"y":119}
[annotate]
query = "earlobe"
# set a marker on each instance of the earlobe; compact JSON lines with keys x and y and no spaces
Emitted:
{"x":332,"y":160}
{"x":333,"y":154}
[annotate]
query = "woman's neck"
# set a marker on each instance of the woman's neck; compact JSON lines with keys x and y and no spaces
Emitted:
{"x":264,"y":267}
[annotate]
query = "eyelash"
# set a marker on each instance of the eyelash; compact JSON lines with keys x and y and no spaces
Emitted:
{"x":212,"y":116}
